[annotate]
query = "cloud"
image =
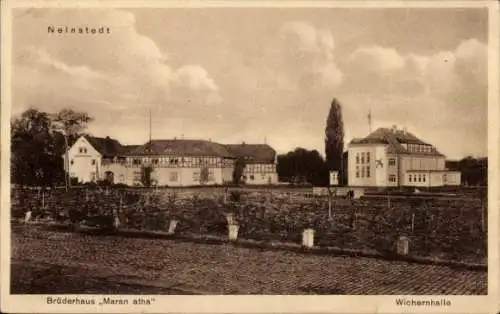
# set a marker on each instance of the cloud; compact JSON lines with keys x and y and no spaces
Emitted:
{"x":376,"y":59}
{"x":431,"y":92}
{"x":195,"y":77}
{"x":123,"y":69}
{"x":310,"y":52}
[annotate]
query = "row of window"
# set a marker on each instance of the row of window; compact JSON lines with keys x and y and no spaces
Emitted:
{"x":175,"y":161}
{"x":362,"y":158}
{"x":252,"y":177}
{"x":421,"y":177}
{"x":364,"y":173}
{"x":92,"y":162}
{"x":252,"y":168}
{"x":82,"y":150}
{"x":417,"y":148}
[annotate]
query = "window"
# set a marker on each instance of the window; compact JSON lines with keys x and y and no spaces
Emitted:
{"x":93,"y":162}
{"x":423,"y":177}
{"x":196,"y":176}
{"x":136,"y":161}
{"x":367,"y":171}
{"x":392,"y":178}
{"x":362,"y":158}
{"x":82,"y":150}
{"x":357,"y":171}
{"x":357,"y":158}
{"x":173,"y":176}
{"x":392,"y":162}
{"x":419,"y":178}
{"x":362,"y":172}
{"x":252,"y":177}
{"x":409,"y":177}
{"x":155,"y":161}
{"x":368,"y":157}
{"x":137,"y":176}
{"x":72,"y":162}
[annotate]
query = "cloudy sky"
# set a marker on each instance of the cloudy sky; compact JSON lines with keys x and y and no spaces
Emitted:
{"x":234,"y":74}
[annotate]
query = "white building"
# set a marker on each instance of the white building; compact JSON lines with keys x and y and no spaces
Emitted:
{"x":392,"y":158}
{"x":260,"y":162}
{"x":171,"y":162}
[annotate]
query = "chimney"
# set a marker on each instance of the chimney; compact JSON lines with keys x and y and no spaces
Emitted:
{"x":405,"y":130}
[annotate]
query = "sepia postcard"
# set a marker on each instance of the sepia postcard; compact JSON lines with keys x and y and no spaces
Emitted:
{"x":250,"y":157}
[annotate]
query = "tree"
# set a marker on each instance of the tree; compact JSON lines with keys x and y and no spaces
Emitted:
{"x":302,"y":165}
{"x":334,"y":140}
{"x":146,"y":172}
{"x":69,"y":124}
{"x":34,"y":159}
{"x":204,"y":174}
{"x":239,"y":167}
{"x":474,"y":171}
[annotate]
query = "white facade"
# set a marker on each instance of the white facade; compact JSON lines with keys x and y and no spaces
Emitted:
{"x":84,"y":161}
{"x":367,"y":165}
{"x":260,"y":174}
{"x":87,"y":165}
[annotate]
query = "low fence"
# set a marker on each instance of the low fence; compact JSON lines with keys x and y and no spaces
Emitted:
{"x":450,"y":228}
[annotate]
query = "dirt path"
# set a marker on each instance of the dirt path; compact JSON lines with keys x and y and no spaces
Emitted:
{"x":80,"y":264}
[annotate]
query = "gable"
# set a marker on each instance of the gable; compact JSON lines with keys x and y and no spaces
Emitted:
{"x":87,"y":148}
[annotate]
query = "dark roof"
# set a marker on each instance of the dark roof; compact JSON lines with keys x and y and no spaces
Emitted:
{"x":181,"y":147}
{"x":255,"y":153}
{"x":422,"y":171}
{"x":107,"y":146}
{"x":394,"y":139}
{"x":127,"y":149}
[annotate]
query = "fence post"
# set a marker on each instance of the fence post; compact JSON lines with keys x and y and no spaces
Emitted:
{"x":172,"y":226}
{"x":27,"y":217}
{"x":233,"y":231}
{"x":412,"y":222}
{"x":308,"y":238}
{"x":116,"y":219}
{"x":230,"y":218}
{"x":482,"y":219}
{"x":329,"y":204}
{"x":403,"y":245}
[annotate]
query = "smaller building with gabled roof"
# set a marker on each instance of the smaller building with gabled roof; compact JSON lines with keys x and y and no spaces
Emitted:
{"x":392,"y":157}
{"x":260,"y":162}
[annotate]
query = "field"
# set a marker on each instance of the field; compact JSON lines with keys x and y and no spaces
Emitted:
{"x":452,"y":228}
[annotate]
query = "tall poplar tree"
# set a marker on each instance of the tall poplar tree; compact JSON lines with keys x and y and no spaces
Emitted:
{"x":334,"y":140}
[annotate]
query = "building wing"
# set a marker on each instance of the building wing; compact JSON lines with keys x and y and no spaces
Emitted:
{"x":253,"y":153}
{"x":181,"y":147}
{"x":398,"y":142}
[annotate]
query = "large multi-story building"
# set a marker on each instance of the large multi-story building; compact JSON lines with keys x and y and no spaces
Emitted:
{"x":389,"y":157}
{"x":176,"y":162}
